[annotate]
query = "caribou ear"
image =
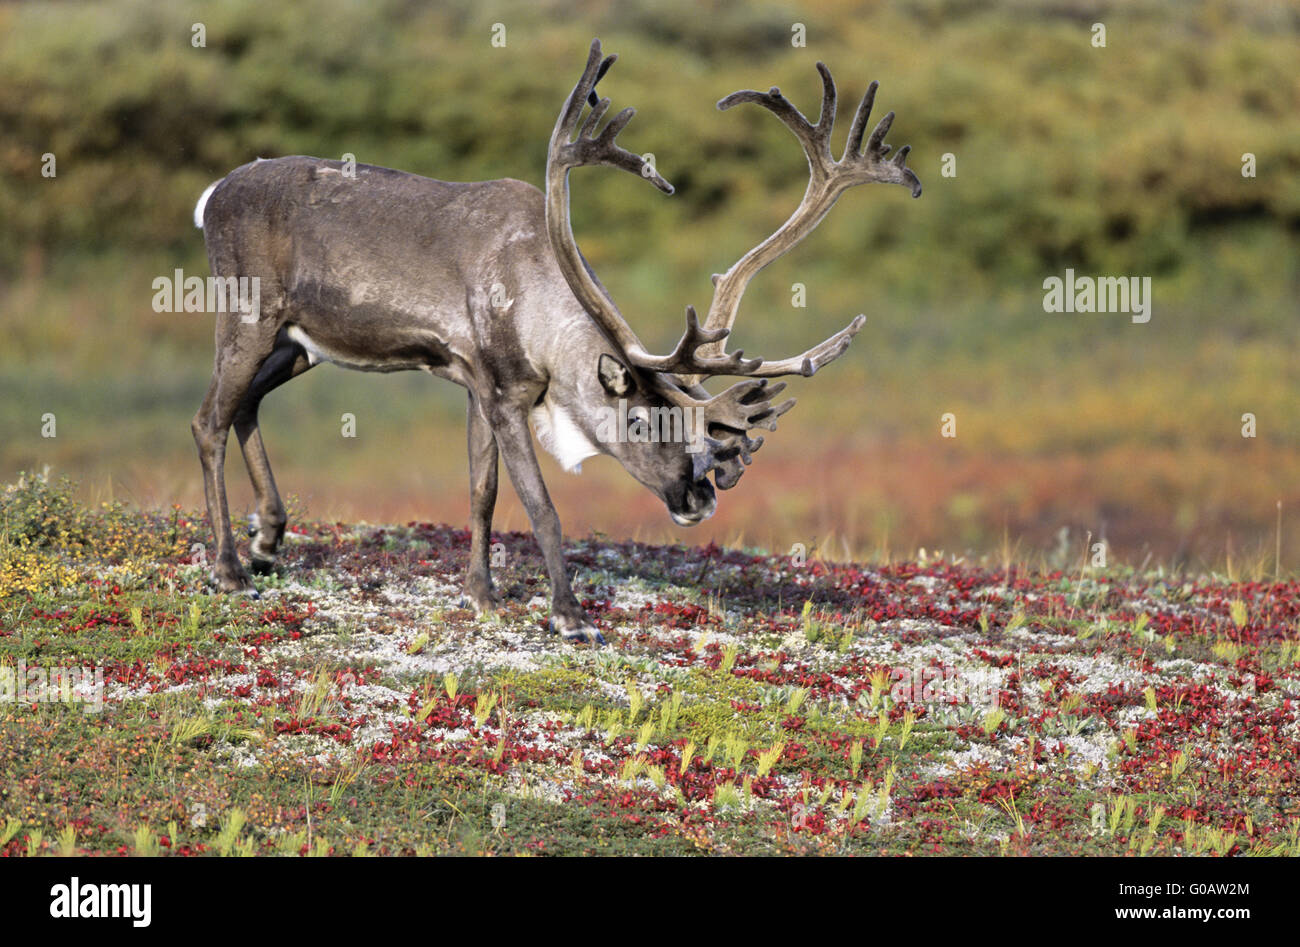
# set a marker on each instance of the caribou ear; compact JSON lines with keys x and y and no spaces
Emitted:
{"x":614,"y":376}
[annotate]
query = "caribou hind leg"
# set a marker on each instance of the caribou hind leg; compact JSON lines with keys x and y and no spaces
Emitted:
{"x":286,"y":361}
{"x":483,"y":497}
{"x":242,"y":350}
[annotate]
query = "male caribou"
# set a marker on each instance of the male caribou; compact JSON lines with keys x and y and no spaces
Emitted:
{"x":483,"y":284}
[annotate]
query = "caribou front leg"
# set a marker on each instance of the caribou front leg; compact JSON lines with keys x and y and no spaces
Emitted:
{"x":567,"y":616}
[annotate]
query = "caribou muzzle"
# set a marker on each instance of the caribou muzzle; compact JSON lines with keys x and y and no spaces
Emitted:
{"x":692,"y":504}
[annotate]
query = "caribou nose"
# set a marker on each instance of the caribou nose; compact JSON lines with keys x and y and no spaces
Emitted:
{"x":699,"y":502}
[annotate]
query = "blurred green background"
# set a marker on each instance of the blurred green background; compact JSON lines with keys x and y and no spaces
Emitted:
{"x":1117,"y":161}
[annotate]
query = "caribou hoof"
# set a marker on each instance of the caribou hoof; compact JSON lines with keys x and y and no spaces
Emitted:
{"x":576,"y":633}
{"x":481,"y":599}
{"x":250,"y":593}
{"x":236,"y":583}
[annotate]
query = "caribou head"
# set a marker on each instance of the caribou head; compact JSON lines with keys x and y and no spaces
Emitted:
{"x":671,"y":386}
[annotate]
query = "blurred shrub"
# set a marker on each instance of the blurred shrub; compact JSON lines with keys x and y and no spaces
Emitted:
{"x":35,"y":512}
{"x":1124,"y":159}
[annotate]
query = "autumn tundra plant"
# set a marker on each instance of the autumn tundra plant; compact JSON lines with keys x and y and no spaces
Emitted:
{"x":483,"y":284}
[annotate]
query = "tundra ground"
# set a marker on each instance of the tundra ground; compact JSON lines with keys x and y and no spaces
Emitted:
{"x":746,"y":704}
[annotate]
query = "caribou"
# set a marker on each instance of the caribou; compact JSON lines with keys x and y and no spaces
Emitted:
{"x":483,"y":284}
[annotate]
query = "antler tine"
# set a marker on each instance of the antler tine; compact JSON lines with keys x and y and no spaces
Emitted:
{"x":600,"y":73}
{"x":816,"y":138}
{"x":598,"y":109}
{"x":584,"y":91}
{"x":853,"y":146}
{"x":815,"y":358}
{"x":826,"y":118}
{"x":685,"y":359}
